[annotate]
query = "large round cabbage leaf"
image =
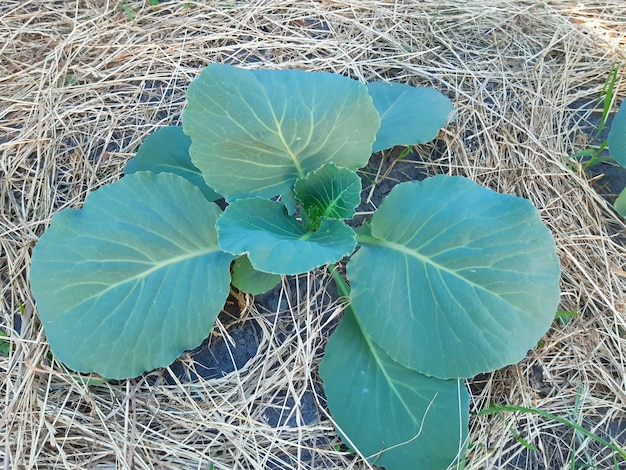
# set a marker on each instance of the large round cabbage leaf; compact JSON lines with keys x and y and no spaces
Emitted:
{"x":254,"y":132}
{"x":395,"y":416}
{"x":133,"y":279}
{"x":455,"y":278}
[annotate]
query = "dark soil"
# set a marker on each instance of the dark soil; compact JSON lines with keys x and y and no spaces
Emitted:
{"x":383,"y":172}
{"x":302,"y":457}
{"x":284,"y":412}
{"x":609,"y":179}
{"x":217,"y":356}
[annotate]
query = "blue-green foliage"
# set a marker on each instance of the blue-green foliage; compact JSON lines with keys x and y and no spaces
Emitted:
{"x":617,"y":147}
{"x":451,"y":279}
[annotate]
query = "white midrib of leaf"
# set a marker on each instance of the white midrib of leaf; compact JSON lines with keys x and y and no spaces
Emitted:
{"x":156,"y":267}
{"x":380,"y":364}
{"x":292,"y":155}
{"x":370,"y":240}
{"x":333,"y":203}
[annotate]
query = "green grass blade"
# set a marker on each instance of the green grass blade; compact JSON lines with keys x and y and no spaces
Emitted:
{"x":608,"y":90}
{"x":619,"y":450}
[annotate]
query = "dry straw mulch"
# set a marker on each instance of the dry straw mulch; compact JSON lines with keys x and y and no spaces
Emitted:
{"x":81,"y":85}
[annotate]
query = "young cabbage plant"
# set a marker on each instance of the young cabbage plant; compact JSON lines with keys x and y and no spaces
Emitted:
{"x":447,"y":280}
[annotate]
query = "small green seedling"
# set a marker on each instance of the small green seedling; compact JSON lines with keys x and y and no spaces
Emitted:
{"x":447,"y":280}
{"x":5,"y":344}
{"x":616,"y":141}
{"x":565,"y":316}
{"x":608,"y":92}
{"x":127,"y":11}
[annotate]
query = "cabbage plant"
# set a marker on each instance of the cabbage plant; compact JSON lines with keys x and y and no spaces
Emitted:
{"x":447,"y":280}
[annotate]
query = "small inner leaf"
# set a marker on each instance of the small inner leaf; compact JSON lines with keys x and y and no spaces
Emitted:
{"x":277,"y":243}
{"x":249,"y":280}
{"x":330,"y":192}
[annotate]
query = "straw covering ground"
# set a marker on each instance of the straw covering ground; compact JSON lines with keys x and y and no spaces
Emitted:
{"x":82,"y":83}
